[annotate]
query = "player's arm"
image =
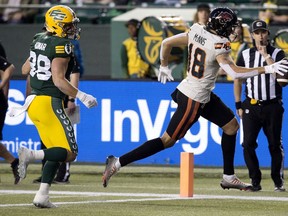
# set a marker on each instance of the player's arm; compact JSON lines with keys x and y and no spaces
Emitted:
{"x":74,"y":80}
{"x":26,"y":67}
{"x":58,"y":68}
{"x":166,"y":46}
{"x":6,"y":72}
{"x":237,"y":96}
{"x":25,"y":71}
{"x":5,"y":78}
{"x":28,"y":86}
{"x":227,"y":64}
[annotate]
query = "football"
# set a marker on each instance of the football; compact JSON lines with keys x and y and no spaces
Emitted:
{"x":282,"y":80}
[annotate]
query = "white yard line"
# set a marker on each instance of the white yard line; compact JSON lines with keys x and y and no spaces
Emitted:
{"x":148,"y":197}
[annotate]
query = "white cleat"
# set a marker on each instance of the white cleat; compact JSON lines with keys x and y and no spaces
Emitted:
{"x":42,"y":201}
{"x":235,"y":183}
{"x":110,"y":169}
{"x":25,"y":156}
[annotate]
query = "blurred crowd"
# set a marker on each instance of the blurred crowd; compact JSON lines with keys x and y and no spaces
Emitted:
{"x":14,"y":13}
{"x":271,"y":12}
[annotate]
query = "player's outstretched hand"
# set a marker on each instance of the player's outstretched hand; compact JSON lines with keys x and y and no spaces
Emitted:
{"x":88,"y":100}
{"x":279,"y":67}
{"x":165,"y":74}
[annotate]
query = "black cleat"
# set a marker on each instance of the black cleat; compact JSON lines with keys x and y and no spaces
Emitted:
{"x":14,"y":166}
{"x":279,"y":189}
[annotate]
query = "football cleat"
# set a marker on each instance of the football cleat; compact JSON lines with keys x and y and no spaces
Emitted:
{"x":234,"y":184}
{"x":279,"y":189}
{"x":55,"y":181}
{"x":42,"y":201}
{"x":14,"y":167}
{"x":110,"y":170}
{"x":25,"y":156}
{"x":37,"y":180}
{"x":255,"y":188}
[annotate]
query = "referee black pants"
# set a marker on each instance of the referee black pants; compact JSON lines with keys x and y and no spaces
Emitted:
{"x":269,"y":117}
{"x":3,"y":110}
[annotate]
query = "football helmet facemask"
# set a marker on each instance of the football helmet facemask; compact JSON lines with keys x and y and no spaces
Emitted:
{"x":223,"y":21}
{"x":61,"y":20}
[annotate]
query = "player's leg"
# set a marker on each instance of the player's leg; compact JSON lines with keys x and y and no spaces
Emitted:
{"x":252,"y":125}
{"x":185,"y":115}
{"x":41,"y":199}
{"x":4,"y":153}
{"x":3,"y":110}
{"x":272,"y":127}
{"x":63,"y":174}
{"x":218,"y":113}
{"x":57,"y":133}
{"x":38,"y":180}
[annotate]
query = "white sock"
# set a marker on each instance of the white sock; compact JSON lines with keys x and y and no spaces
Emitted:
{"x":228,"y":177}
{"x":38,"y":154}
{"x":44,"y":188}
{"x":117,"y":164}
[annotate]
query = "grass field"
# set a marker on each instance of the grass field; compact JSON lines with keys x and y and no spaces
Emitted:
{"x":139,"y":191}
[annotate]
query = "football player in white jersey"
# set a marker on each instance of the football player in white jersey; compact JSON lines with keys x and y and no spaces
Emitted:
{"x":208,"y":49}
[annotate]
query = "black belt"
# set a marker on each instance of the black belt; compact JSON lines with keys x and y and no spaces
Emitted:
{"x":264,"y":102}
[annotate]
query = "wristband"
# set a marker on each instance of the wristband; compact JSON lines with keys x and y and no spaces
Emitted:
{"x":71,"y":100}
{"x":80,"y":95}
{"x":238,"y":105}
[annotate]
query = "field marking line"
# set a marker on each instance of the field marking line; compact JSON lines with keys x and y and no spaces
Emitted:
{"x":153,"y":197}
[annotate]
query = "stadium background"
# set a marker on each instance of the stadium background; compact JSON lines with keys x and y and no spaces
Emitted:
{"x":129,"y":112}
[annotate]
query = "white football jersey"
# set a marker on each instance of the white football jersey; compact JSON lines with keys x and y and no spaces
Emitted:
{"x":202,"y":68}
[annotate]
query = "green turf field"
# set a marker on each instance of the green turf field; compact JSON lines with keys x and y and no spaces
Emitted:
{"x":139,"y":191}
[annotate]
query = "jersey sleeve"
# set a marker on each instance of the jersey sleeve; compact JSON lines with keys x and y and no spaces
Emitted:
{"x":280,"y":55}
{"x":222,"y":46}
{"x":2,"y":51}
{"x":4,"y":64}
{"x":63,"y":49}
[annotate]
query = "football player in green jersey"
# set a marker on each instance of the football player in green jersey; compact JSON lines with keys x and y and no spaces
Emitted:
{"x":50,"y":54}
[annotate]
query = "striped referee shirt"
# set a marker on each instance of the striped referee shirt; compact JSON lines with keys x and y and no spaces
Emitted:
{"x":264,"y":86}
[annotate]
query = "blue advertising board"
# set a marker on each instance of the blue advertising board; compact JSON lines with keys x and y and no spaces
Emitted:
{"x":128,"y":114}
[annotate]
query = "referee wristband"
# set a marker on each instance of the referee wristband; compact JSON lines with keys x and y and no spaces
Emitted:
{"x":238,"y":105}
{"x":71,"y":100}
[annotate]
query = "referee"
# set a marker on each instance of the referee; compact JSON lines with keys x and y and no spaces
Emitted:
{"x":262,"y":107}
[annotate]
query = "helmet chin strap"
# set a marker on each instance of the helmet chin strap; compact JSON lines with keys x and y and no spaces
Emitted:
{"x":210,"y":30}
{"x":77,"y":35}
{"x":235,"y":36}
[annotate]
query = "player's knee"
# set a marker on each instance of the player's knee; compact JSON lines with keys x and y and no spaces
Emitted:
{"x":167,"y":141}
{"x":71,"y":157}
{"x":169,"y":144}
{"x":249,"y":145}
{"x":231,"y":127}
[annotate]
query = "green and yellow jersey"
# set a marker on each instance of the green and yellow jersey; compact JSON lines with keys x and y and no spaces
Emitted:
{"x":43,"y":50}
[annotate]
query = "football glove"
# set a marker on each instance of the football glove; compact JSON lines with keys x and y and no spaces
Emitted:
{"x":88,"y":100}
{"x":165,"y":74}
{"x":279,"y":67}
